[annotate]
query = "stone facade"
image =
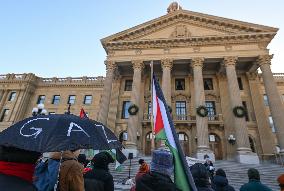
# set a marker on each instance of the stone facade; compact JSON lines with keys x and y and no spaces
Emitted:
{"x":200,"y":60}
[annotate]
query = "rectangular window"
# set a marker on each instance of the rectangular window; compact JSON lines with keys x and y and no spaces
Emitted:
{"x":41,"y":99}
{"x":56,"y":99}
{"x":128,"y":85}
{"x":210,"y":105}
{"x":180,"y":84}
{"x":271,"y":123}
{"x":150,"y":83}
{"x":208,"y":83}
{"x":246,"y":109}
{"x":149,"y":107}
{"x":88,"y":99}
{"x":4,"y":115}
{"x":12,"y":96}
{"x":181,"y":110}
{"x":125,"y":106}
{"x":240,"y":84}
{"x":265,"y":99}
{"x":71,"y":99}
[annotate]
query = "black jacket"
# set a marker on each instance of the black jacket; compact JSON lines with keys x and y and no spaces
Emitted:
{"x":13,"y":183}
{"x":155,"y":182}
{"x":220,"y":183}
{"x":101,"y":176}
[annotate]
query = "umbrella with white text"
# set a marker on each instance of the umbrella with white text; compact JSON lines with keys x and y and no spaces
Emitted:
{"x":59,"y":132}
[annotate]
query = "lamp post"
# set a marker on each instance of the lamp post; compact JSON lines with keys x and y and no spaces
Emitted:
{"x":39,"y":110}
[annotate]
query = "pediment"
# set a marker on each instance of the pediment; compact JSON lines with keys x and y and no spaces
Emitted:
{"x":188,"y":25}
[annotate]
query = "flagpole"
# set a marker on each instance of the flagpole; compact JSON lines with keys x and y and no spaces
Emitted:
{"x":153,"y":132}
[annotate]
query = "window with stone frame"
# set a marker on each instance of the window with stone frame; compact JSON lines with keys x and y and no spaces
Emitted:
{"x":240,"y":83}
{"x":149,"y":110}
{"x":88,"y":99}
{"x":210,"y":106}
{"x":12,"y":96}
{"x":56,"y":99}
{"x":128,"y":85}
{"x":208,"y":84}
{"x":271,"y":123}
{"x":265,"y":99}
{"x":180,"y":84}
{"x":71,"y":99}
{"x":41,"y":99}
{"x":4,"y":115}
{"x":124,"y":113}
{"x":181,"y":110}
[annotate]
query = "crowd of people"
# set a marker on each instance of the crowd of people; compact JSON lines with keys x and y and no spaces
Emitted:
{"x":22,"y":170}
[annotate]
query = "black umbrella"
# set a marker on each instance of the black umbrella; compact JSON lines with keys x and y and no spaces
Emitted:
{"x":58,"y":132}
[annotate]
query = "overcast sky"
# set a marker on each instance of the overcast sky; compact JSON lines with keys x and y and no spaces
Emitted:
{"x":62,"y":37}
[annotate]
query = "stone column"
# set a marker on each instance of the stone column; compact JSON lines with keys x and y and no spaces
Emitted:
{"x":105,"y":99}
{"x":244,"y":154}
{"x":133,"y":120}
{"x":167,"y":65}
{"x":274,"y":100}
{"x":201,"y":122}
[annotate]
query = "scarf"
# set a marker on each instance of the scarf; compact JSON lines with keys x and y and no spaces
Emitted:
{"x":22,"y":170}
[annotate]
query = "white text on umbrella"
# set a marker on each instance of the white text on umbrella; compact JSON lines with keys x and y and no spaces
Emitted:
{"x":38,"y":130}
{"x":72,"y":124}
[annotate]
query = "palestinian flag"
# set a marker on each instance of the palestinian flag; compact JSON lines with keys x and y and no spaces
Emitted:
{"x":164,"y":130}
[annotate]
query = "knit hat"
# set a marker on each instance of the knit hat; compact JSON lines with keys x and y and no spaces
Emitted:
{"x":280,"y":180}
{"x":221,"y":172}
{"x":162,"y":162}
{"x":253,"y":174}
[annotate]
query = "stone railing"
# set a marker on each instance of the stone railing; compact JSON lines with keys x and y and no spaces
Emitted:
{"x":185,"y":117}
{"x":70,"y":80}
{"x":14,"y":76}
{"x":278,"y":75}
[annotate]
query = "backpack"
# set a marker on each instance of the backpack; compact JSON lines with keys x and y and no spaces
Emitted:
{"x":46,"y":175}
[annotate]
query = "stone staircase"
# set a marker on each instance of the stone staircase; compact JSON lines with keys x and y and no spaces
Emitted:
{"x":236,"y":173}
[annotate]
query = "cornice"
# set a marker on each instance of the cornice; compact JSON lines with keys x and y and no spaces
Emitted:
{"x":191,"y":41}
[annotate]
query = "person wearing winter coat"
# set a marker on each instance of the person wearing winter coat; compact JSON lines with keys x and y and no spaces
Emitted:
{"x":16,"y":169}
{"x":254,"y":182}
{"x":280,"y":180}
{"x":99,"y":178}
{"x":158,"y":179}
{"x":70,"y":172}
{"x":143,"y":169}
{"x":220,"y":182}
{"x":201,"y":177}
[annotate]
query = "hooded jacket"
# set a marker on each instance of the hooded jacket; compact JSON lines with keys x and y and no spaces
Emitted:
{"x":99,"y":178}
{"x":220,"y":183}
{"x":71,"y":172}
{"x":254,"y":185}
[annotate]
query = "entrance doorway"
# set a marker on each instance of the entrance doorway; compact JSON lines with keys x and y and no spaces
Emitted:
{"x":148,"y":143}
{"x":184,"y":142}
{"x":216,"y":146}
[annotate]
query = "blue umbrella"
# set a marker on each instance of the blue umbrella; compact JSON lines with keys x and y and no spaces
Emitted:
{"x":58,"y":132}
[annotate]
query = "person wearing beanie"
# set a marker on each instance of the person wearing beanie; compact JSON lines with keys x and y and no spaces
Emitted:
{"x":99,"y":178}
{"x":254,"y":182}
{"x":159,"y":177}
{"x":17,"y":167}
{"x":280,"y":180}
{"x":201,"y":177}
{"x":220,"y":181}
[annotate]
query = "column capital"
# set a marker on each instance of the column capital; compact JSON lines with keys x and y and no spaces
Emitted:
{"x":167,"y":63}
{"x":110,"y":65}
{"x":197,"y":62}
{"x":137,"y":64}
{"x":264,"y":59}
{"x":230,"y":61}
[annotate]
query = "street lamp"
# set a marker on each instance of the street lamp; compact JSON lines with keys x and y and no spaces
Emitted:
{"x":39,"y":110}
{"x":231,"y":139}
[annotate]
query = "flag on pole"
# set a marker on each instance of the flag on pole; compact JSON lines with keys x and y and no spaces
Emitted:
{"x":164,"y":130}
{"x":83,"y":114}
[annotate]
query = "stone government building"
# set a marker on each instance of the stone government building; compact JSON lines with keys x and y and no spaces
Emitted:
{"x":200,"y":60}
